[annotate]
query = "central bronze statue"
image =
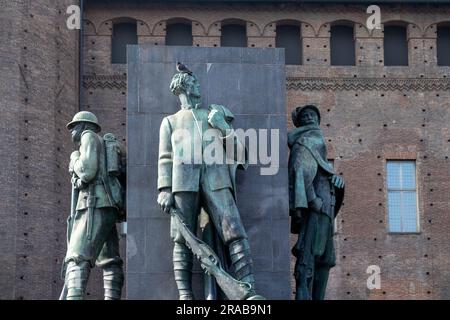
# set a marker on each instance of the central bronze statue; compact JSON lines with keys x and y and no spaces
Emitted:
{"x":315,"y":196}
{"x":187,"y":183}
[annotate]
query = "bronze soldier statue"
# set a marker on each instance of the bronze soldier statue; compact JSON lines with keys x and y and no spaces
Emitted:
{"x":97,"y":170}
{"x":315,"y":196}
{"x":188,"y":183}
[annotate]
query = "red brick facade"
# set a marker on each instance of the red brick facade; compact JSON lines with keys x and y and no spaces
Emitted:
{"x":370,"y":114}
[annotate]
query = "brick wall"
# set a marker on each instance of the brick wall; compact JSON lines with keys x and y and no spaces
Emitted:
{"x":38,"y":60}
{"x":370,"y":113}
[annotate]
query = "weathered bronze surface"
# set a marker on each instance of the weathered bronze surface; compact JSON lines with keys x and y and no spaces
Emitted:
{"x":97,"y":170}
{"x":189,"y":184}
{"x":315,"y":196}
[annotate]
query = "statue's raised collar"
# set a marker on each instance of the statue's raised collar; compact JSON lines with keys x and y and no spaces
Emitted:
{"x":296,"y":133}
{"x":188,"y":106}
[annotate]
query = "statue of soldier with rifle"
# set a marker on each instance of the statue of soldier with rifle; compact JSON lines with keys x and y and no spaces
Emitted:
{"x":98,"y":180}
{"x":189,"y":182}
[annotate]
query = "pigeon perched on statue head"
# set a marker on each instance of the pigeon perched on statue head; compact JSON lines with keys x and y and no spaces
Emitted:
{"x":183,"y":69}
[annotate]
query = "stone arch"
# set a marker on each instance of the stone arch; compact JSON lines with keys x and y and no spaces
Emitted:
{"x":237,"y":21}
{"x":184,"y":20}
{"x":431,"y":29}
{"x":233,"y":33}
{"x":89,"y":28}
{"x":213,"y":27}
{"x":412,"y":28}
{"x":273,"y":24}
{"x":105,"y":28}
{"x":250,"y":24}
{"x":199,"y":27}
{"x":324,"y":29}
{"x":159,"y":28}
{"x":143,"y":28}
{"x":253,"y":29}
{"x":185,"y":30}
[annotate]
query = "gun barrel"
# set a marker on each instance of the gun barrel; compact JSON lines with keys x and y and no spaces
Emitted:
{"x":233,"y":289}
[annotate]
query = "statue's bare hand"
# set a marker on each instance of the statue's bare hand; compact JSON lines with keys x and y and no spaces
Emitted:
{"x":166,"y":200}
{"x":217,"y":120}
{"x":337,"y":181}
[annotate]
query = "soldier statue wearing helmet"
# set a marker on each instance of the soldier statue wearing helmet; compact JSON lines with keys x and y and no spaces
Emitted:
{"x":97,"y":204}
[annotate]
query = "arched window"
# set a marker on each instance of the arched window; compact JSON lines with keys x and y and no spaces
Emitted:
{"x":289,"y":38}
{"x":179,"y":34}
{"x":342,"y":42}
{"x":124,"y":33}
{"x":443,"y":45}
{"x":395,"y":46}
{"x":233,"y":35}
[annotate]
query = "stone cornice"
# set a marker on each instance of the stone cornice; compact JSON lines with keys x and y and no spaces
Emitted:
{"x":119,"y":82}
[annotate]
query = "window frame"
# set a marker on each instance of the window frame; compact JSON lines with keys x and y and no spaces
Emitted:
{"x":351,"y":26}
{"x":416,"y":190}
{"x":292,"y":24}
{"x":234,"y":23}
{"x":186,"y":23}
{"x":408,"y":49}
{"x":446,"y":26}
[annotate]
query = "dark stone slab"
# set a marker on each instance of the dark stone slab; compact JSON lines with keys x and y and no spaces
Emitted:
{"x":272,"y":285}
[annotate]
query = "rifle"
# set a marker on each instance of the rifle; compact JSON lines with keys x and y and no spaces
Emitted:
{"x":73,"y":209}
{"x":210,"y":263}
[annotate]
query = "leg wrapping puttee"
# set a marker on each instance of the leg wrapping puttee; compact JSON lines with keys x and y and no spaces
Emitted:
{"x":242,"y":261}
{"x":113,"y":282}
{"x":182,"y":266}
{"x":77,"y":276}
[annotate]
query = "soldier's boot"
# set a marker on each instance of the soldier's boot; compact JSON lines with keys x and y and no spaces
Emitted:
{"x":242,"y":263}
{"x":303,"y":283}
{"x":77,"y":276}
{"x":182,"y":267}
{"x":113,"y":282}
{"x":320,"y":282}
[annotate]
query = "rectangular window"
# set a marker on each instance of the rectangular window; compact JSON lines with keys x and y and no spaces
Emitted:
{"x":179,"y":34}
{"x":342,"y":43}
{"x":395,"y":46}
{"x":233,"y":35}
{"x":402,"y":196}
{"x":289,"y":38}
{"x":123,"y":35}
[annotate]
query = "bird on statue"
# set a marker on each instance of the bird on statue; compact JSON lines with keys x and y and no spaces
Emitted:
{"x":182,"y":68}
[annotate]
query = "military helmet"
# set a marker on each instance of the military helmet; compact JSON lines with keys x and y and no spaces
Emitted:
{"x":84,"y":116}
{"x":298,"y":110}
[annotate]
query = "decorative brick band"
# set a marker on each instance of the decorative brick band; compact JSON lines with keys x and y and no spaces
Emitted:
{"x":116,"y":81}
{"x":119,"y":82}
{"x":381,"y":84}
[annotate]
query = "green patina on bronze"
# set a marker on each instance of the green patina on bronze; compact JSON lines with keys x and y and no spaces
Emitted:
{"x":98,"y":177}
{"x":315,"y":196}
{"x":191,"y":191}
